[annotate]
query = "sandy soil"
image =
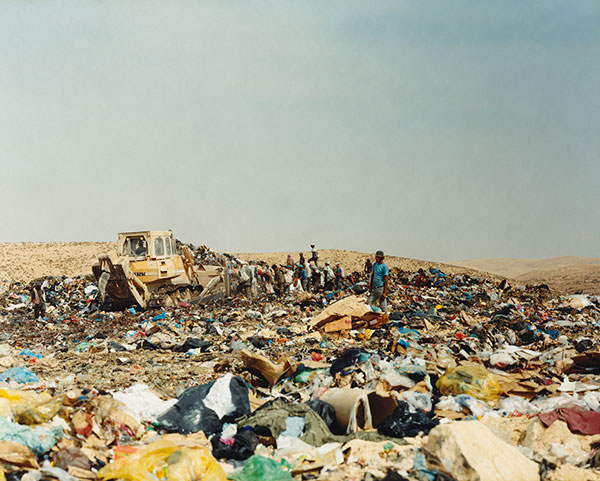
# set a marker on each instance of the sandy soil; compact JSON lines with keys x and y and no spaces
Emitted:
{"x":569,"y":274}
{"x":27,"y":261}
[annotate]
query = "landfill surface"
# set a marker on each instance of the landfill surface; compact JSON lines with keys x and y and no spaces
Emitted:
{"x":465,"y":378}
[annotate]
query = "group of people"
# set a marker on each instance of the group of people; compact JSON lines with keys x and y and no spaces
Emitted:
{"x":293,"y":276}
{"x":309,"y":276}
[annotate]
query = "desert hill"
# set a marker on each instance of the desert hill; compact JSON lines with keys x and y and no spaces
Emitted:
{"x":568,"y":274}
{"x":31,"y":260}
{"x":26,"y":261}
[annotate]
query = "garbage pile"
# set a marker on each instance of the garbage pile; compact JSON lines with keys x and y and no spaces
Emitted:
{"x":463,"y":379}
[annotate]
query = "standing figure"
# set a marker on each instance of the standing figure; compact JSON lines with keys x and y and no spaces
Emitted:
{"x":303,"y":277}
{"x":314,"y":254}
{"x":339,"y":275}
{"x":38,"y":301}
{"x":329,"y":277}
{"x":379,"y":282}
{"x":279,"y":280}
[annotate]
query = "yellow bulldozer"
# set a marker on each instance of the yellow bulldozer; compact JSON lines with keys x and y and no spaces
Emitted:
{"x":148,"y":271}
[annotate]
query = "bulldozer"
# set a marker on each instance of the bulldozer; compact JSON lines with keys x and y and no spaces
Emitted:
{"x":149,"y":270}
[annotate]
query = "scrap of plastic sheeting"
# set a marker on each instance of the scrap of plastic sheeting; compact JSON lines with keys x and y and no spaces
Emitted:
{"x":48,"y":471}
{"x":40,"y":440}
{"x":29,"y":353}
{"x":517,"y":404}
{"x":294,"y":427}
{"x":163,"y":459}
{"x":576,"y":386}
{"x":592,"y":399}
{"x":28,"y":407}
{"x":259,"y":468}
{"x":21,"y":375}
{"x":219,"y":397}
{"x":417,"y":400}
{"x":142,"y":402}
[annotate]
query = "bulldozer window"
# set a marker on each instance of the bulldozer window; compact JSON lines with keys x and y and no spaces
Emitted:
{"x":159,"y":249}
{"x":135,"y":247}
{"x":168,"y":246}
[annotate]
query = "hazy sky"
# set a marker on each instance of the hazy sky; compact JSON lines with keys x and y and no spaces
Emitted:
{"x":439,"y":130}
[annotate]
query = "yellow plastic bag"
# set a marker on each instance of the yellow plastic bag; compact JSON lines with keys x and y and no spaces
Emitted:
{"x":28,"y":407}
{"x":164,"y":460}
{"x":474,"y":380}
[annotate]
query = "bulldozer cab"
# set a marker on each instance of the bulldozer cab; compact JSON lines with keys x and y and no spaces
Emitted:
{"x":147,"y":245}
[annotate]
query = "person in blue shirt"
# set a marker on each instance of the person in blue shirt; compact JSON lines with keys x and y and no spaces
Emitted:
{"x":379,"y":282}
{"x":303,"y":277}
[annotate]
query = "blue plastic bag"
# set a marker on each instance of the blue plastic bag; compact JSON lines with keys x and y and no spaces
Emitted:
{"x":21,"y":375}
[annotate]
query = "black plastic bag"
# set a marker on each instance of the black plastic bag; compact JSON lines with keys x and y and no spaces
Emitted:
{"x":360,"y":288}
{"x":346,"y":359}
{"x":245,"y":442}
{"x":404,"y":423}
{"x":193,"y":343}
{"x":200,"y":408}
{"x":325,"y":410}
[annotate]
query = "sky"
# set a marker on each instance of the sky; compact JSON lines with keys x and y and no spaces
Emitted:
{"x":434,"y":130}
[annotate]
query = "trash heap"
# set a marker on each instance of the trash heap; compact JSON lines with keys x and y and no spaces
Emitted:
{"x":463,"y":379}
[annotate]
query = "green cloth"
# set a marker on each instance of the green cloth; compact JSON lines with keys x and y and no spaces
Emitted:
{"x":316,"y":432}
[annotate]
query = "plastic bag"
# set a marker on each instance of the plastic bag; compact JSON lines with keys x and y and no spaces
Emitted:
{"x":206,"y":407}
{"x":417,"y":400}
{"x":28,"y":407}
{"x":405,"y":422}
{"x":474,"y":380}
{"x":259,"y":468}
{"x":164,"y":460}
{"x":244,"y":444}
{"x":325,"y":410}
{"x":40,"y":439}
{"x":347,"y":359}
{"x":304,"y":376}
{"x":21,"y":375}
{"x":143,"y":402}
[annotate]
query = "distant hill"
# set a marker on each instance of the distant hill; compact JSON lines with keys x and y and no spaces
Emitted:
{"x":30,"y":260}
{"x":25,"y":261}
{"x":568,"y":274}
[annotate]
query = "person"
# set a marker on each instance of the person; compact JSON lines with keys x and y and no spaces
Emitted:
{"x":368,"y":266}
{"x":302,"y":262}
{"x":314,"y":254}
{"x":303,"y":277}
{"x":289,"y":262}
{"x":339,"y":275}
{"x":329,"y":276}
{"x":279,"y":280}
{"x":379,"y":282}
{"x":315,"y":276}
{"x":247,"y":280}
{"x":37,"y":299}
